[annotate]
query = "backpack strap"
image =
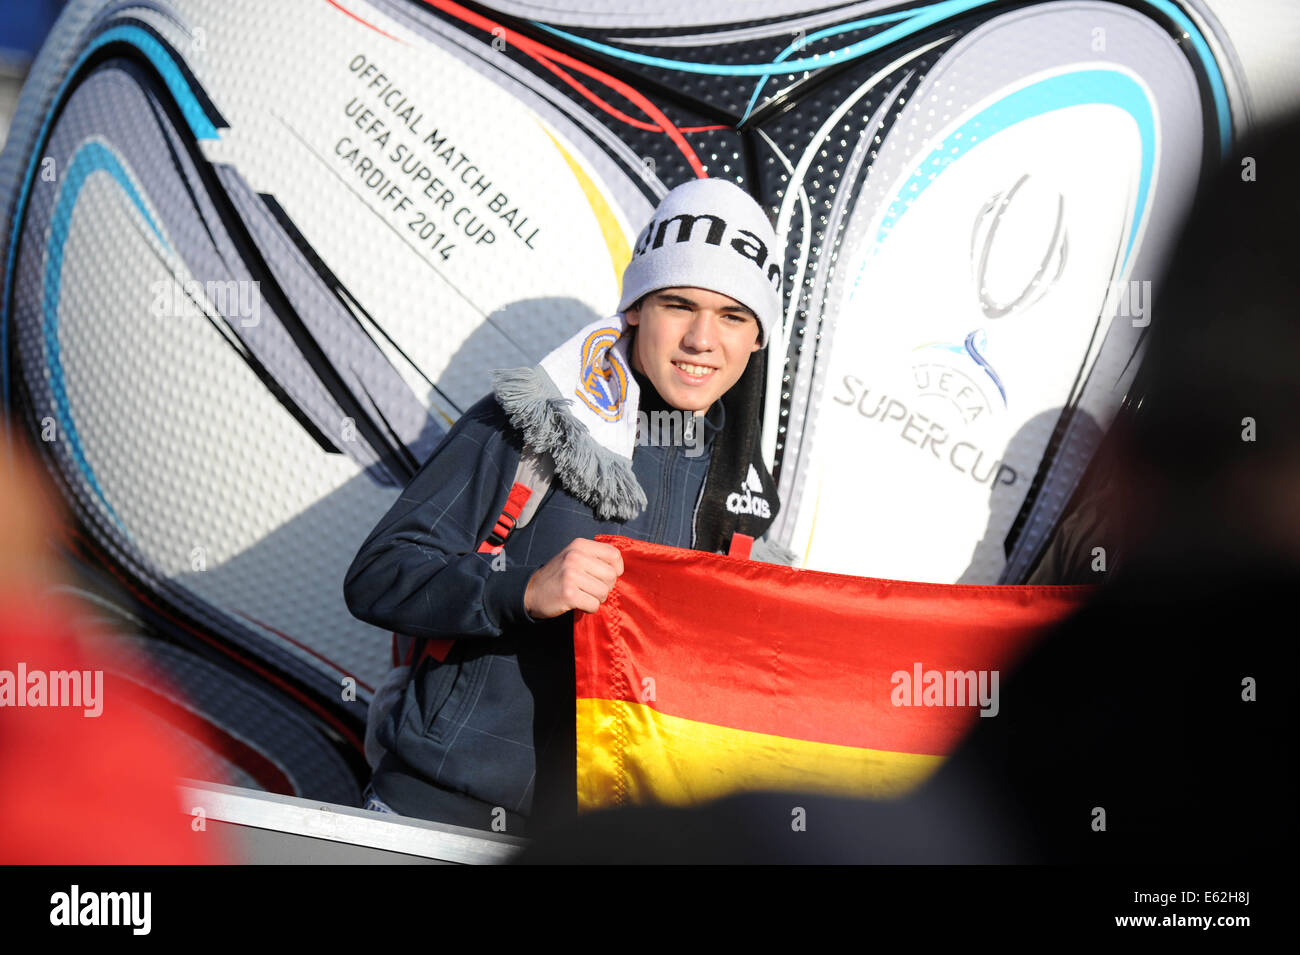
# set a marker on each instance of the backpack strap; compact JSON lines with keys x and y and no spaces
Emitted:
{"x":532,"y":477}
{"x":537,"y":471}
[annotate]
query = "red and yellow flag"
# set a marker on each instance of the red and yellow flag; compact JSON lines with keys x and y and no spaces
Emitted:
{"x":703,"y":675}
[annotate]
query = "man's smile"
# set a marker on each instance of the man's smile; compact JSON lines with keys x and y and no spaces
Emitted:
{"x":692,"y":373}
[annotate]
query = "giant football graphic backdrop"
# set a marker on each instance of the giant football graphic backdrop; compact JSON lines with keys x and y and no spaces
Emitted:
{"x":258,"y":257}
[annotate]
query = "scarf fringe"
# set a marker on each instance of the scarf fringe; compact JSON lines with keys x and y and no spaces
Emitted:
{"x":588,"y":471}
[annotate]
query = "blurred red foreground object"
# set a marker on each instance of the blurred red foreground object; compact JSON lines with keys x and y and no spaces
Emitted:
{"x":77,"y":788}
{"x":83,"y":789}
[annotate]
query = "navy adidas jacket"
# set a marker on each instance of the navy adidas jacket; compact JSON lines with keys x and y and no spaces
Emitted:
{"x":491,"y":729}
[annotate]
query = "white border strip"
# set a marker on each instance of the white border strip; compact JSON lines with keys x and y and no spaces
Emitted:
{"x":346,"y":824}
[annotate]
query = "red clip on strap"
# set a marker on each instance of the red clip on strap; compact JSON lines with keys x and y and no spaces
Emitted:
{"x":519,"y":495}
{"x":741,"y":545}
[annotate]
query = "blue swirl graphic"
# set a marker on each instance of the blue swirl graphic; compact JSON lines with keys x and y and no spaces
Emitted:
{"x":90,"y":158}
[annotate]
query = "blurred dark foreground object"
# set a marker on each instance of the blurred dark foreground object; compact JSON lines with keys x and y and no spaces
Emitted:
{"x":1164,"y":708}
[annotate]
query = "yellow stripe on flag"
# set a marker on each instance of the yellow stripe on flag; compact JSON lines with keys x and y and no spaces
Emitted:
{"x":629,"y":753}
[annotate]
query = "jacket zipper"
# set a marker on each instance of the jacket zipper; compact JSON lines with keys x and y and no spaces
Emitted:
{"x":699,"y":498}
{"x":695,"y":515}
{"x":665,"y":494}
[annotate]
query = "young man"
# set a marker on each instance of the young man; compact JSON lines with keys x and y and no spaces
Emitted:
{"x":483,"y":733}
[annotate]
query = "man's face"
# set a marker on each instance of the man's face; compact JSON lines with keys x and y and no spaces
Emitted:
{"x":692,"y":344}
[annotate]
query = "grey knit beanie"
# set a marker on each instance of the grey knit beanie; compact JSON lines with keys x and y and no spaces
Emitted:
{"x":709,"y":233}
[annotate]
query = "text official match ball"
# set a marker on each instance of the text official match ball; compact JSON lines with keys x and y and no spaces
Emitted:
{"x":260,"y":257}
